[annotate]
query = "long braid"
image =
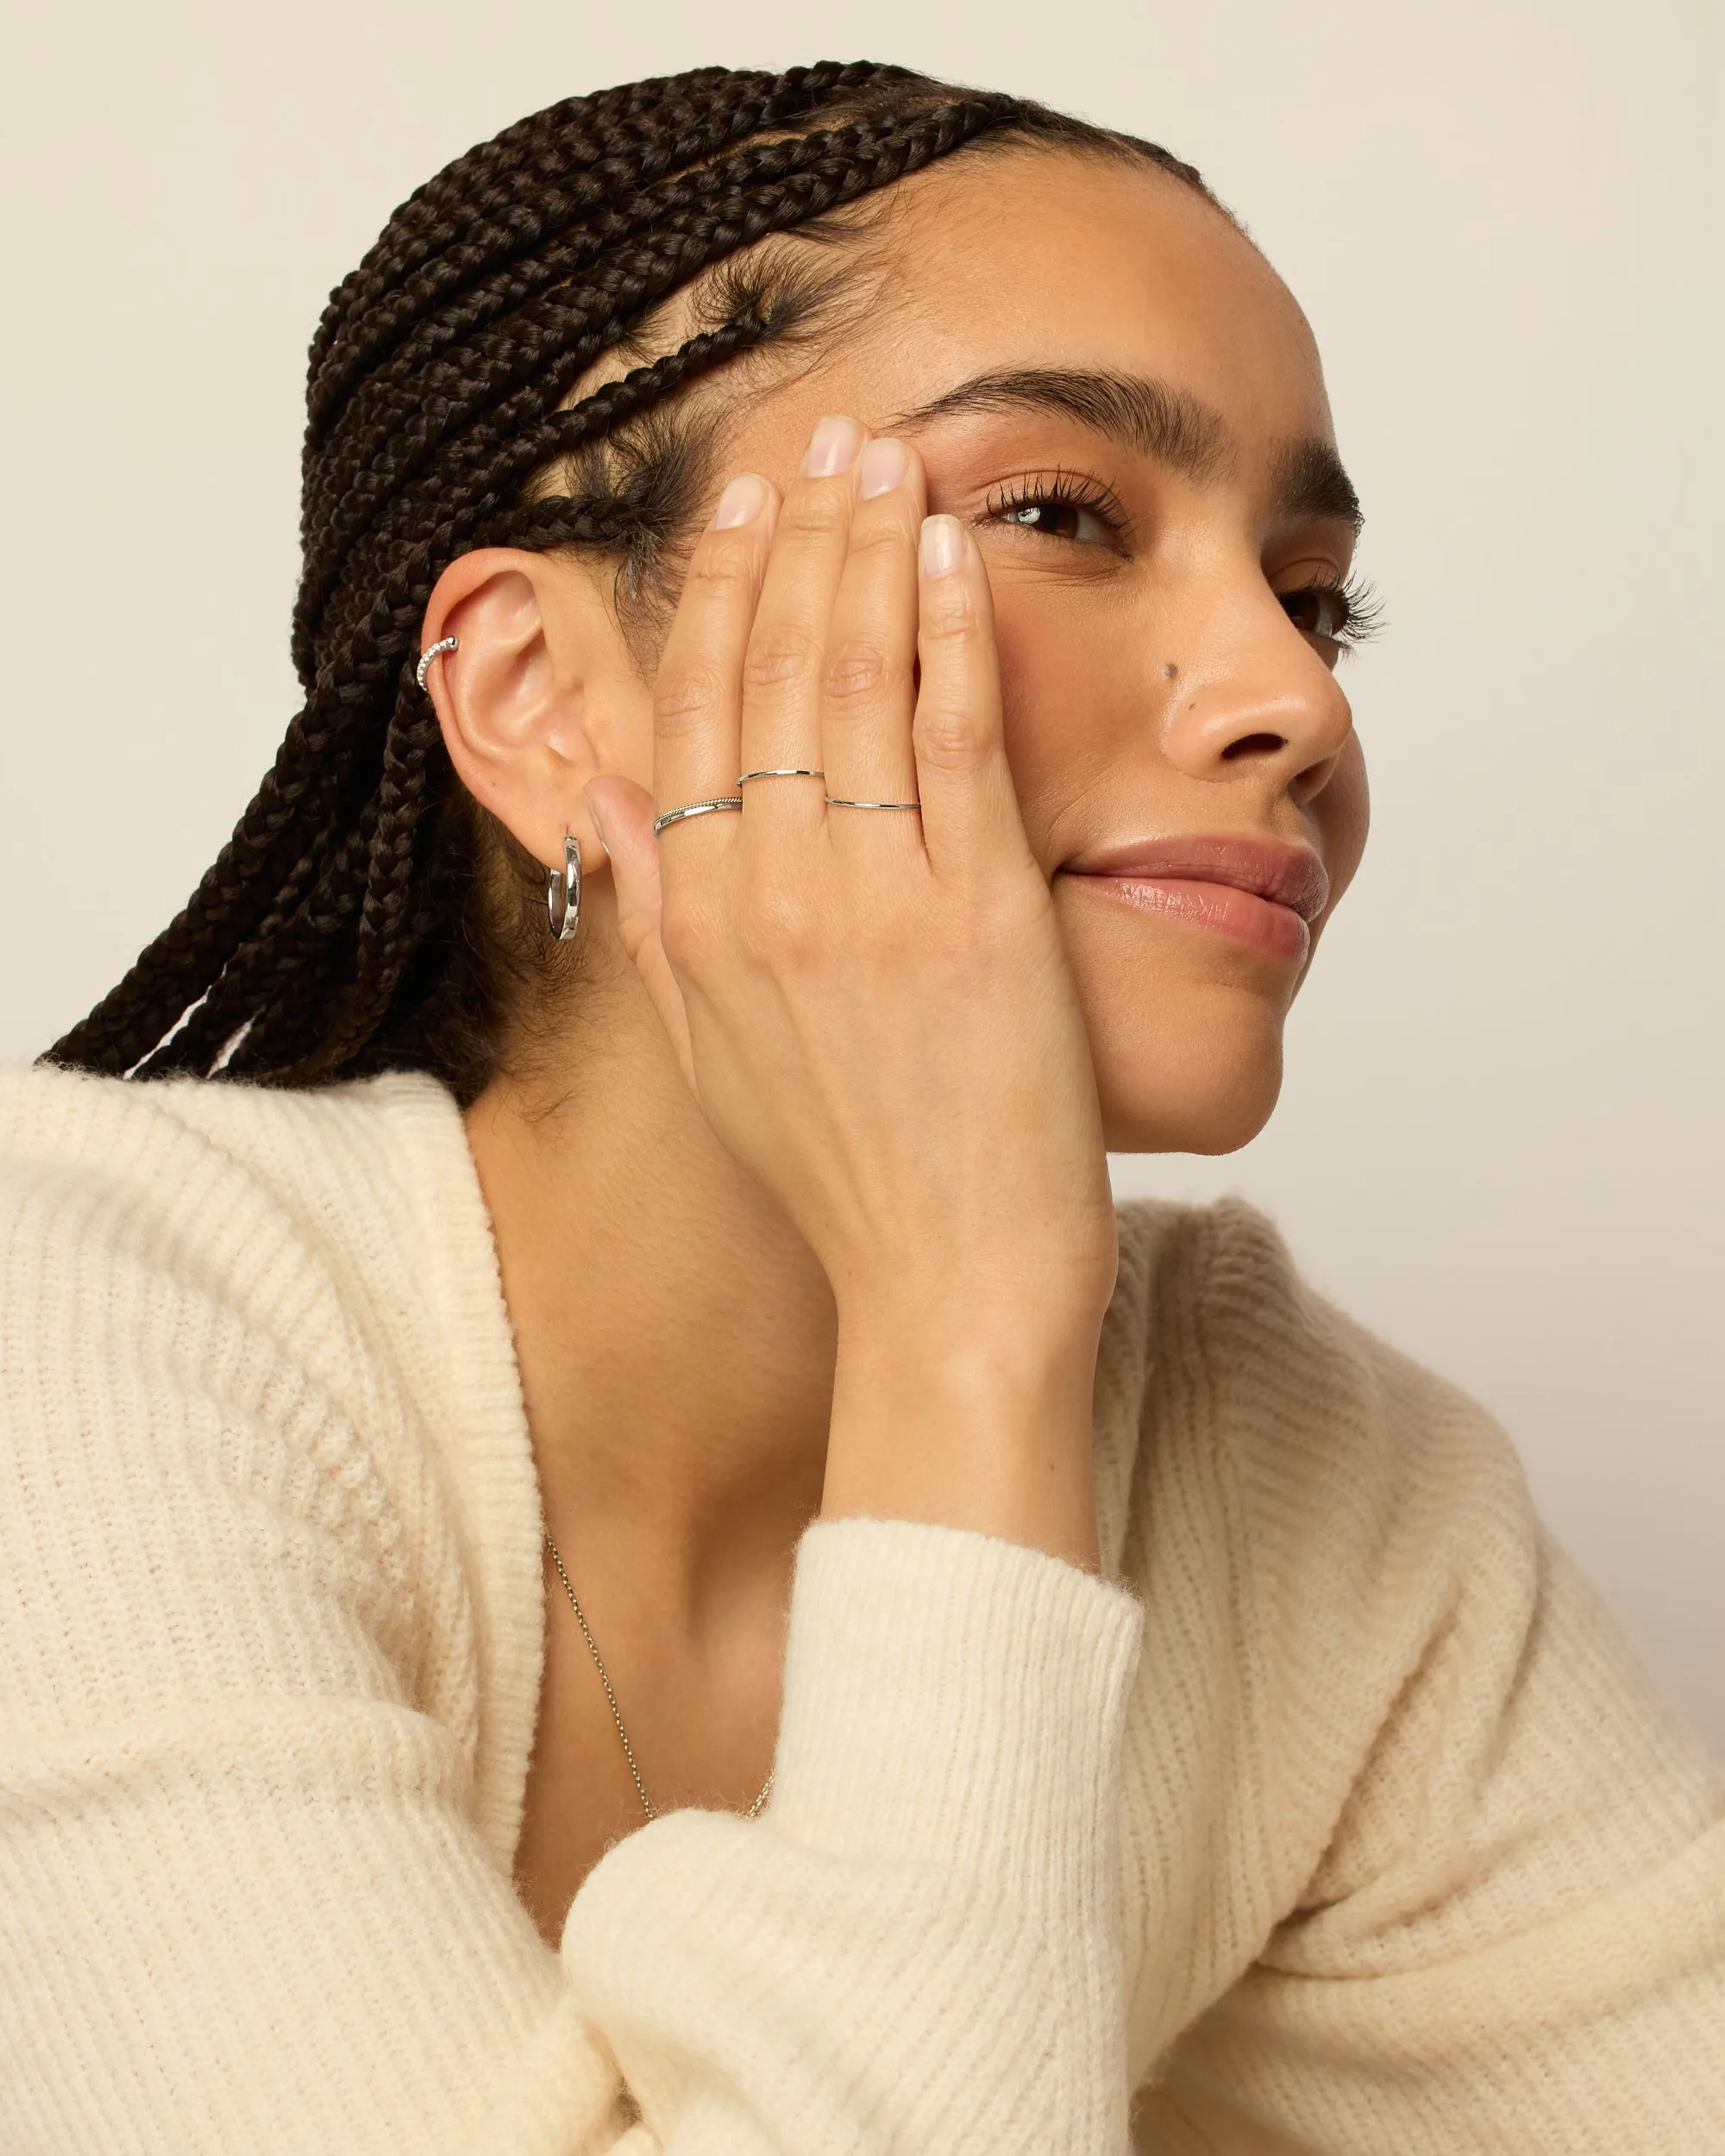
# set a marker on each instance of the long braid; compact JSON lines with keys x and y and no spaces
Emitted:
{"x":334,"y":932}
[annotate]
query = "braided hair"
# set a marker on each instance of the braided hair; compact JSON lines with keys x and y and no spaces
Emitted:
{"x":350,"y":924}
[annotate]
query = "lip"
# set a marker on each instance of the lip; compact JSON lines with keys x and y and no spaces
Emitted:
{"x":1255,"y":889}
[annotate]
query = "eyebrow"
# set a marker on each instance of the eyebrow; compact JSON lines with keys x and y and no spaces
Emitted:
{"x":1169,"y":426}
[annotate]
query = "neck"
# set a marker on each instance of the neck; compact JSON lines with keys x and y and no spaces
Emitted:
{"x":675,"y":1335}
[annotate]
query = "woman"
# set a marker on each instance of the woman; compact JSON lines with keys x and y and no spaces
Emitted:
{"x":872,"y":559}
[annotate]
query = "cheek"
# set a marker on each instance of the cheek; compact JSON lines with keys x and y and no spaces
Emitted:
{"x":1069,"y":713}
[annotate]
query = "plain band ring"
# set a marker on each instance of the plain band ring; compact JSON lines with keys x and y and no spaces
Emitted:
{"x":837,"y":801}
{"x":696,"y":808}
{"x":779,"y":774}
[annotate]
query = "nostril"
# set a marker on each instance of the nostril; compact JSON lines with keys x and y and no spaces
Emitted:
{"x":1255,"y":745}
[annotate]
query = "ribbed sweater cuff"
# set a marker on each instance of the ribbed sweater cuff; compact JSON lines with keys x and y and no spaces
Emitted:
{"x":950,"y":1696}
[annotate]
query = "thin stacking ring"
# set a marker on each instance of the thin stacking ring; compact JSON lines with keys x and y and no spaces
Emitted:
{"x":747,"y":775}
{"x":837,"y":801}
{"x":696,"y":808}
{"x":431,"y":652}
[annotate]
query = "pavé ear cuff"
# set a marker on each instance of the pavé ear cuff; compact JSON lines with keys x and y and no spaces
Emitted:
{"x":433,"y":651}
{"x":563,"y":891}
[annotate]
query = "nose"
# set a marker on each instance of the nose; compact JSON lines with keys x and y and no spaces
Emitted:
{"x":1258,"y":700}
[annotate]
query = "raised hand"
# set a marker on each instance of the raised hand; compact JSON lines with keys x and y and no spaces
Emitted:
{"x":873,"y":1005}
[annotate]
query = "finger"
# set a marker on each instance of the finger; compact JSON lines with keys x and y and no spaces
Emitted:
{"x":970,"y":810}
{"x":782,"y":672}
{"x":869,"y":688}
{"x":697,"y":692}
{"x":623,"y":815}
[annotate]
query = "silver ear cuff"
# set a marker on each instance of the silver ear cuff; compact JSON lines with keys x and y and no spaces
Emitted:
{"x":431,"y":652}
{"x":563,"y":892}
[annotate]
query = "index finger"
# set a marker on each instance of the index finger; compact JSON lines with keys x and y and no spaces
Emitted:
{"x":697,"y":692}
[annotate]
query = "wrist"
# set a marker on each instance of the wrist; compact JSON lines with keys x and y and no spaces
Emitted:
{"x":950,"y":1421}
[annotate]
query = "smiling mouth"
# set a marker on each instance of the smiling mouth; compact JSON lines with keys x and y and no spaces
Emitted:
{"x":1255,"y":890}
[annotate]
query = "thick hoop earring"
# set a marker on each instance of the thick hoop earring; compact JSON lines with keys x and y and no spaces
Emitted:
{"x":563,"y":892}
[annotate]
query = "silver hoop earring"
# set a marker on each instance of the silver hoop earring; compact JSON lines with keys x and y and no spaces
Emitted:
{"x":431,"y":652}
{"x":563,"y":892}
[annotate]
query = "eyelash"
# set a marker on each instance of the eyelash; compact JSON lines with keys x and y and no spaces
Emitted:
{"x":1061,"y":489}
{"x":1362,"y":610}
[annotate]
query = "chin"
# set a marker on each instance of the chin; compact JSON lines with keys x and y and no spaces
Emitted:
{"x":1194,"y":1072}
{"x":1185,"y":1028}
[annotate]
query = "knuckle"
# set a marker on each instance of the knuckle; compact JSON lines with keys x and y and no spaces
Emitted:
{"x":720,"y":568}
{"x":779,"y":656}
{"x":682,"y":935}
{"x":813,"y":512}
{"x":774,"y":927}
{"x":950,"y":620}
{"x":857,"y":671}
{"x":888,"y":535}
{"x":946,"y":739}
{"x":686,"y":695}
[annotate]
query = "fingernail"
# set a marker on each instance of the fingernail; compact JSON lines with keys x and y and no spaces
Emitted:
{"x":832,"y":446}
{"x":884,"y":466}
{"x":943,"y":545}
{"x":593,"y":810}
{"x":740,"y":502}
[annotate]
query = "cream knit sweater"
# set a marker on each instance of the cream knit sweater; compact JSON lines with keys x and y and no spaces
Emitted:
{"x":1337,"y":1819}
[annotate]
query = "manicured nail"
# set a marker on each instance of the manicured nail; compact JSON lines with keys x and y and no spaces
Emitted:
{"x":593,"y":809}
{"x":740,"y":502}
{"x":832,"y":446}
{"x":884,"y":466}
{"x":943,"y":545}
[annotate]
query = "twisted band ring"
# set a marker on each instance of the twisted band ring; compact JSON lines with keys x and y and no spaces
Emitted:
{"x":734,"y":800}
{"x":696,"y":808}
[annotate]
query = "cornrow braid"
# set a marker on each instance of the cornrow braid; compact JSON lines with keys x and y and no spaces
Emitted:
{"x":342,"y":928}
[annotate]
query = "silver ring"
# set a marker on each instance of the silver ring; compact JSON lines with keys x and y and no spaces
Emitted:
{"x":747,"y":775}
{"x":430,"y":652}
{"x":837,"y":801}
{"x":696,"y":808}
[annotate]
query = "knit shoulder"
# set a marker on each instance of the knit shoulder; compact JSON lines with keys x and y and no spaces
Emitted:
{"x":1350,"y":1499}
{"x":292,"y":1299}
{"x":1298,"y":1394}
{"x":322,"y":1158}
{"x":1356,"y":1536}
{"x":306,"y":1215}
{"x":181,"y":1270}
{"x":1315,"y":1405}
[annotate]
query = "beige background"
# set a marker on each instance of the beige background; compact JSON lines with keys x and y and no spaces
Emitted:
{"x":1499,"y":1141}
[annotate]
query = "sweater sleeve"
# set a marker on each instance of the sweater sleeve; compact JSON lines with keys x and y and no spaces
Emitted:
{"x":1501,"y":1859}
{"x":244,"y":1902}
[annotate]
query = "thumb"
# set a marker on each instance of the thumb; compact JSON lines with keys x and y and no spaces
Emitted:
{"x":623,"y":816}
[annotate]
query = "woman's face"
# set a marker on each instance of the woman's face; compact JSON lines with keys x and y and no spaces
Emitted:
{"x":1106,"y":380}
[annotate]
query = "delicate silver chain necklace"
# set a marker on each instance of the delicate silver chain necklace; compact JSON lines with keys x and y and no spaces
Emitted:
{"x":616,"y":1712}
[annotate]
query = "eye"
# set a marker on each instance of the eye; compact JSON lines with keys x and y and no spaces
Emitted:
{"x":1061,"y":505}
{"x":1342,"y":614}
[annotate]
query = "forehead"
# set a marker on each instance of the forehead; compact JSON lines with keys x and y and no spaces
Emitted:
{"x":1039,"y":259}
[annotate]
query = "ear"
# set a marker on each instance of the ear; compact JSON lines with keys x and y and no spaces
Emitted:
{"x":540,"y":695}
